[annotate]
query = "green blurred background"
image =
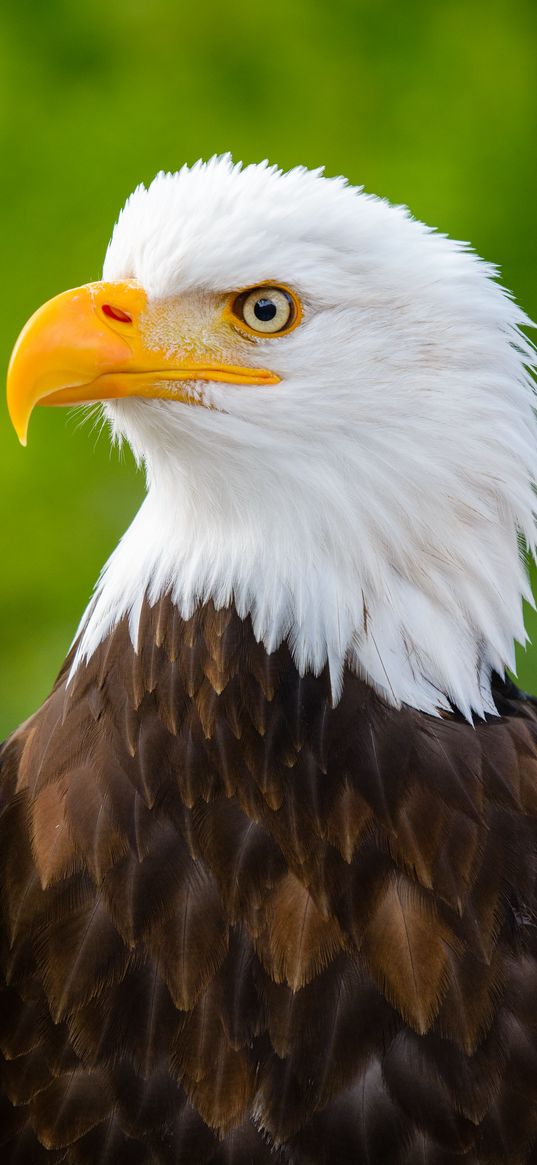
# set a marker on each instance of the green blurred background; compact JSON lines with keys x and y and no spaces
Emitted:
{"x":432,"y":104}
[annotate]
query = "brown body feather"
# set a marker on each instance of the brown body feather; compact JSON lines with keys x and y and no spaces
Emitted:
{"x":240,"y":926}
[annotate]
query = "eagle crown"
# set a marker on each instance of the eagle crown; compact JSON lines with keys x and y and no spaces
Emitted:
{"x":372,"y":507}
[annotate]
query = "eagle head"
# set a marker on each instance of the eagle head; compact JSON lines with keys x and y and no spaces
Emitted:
{"x":333,"y":407}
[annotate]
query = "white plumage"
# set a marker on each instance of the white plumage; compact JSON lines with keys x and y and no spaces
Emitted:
{"x":370,"y":506}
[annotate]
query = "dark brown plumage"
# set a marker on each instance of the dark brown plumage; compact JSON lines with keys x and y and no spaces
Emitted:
{"x":242,"y":926}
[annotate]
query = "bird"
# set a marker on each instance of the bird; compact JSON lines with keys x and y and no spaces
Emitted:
{"x":268,"y":849}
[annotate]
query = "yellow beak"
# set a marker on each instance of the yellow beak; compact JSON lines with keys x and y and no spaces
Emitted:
{"x":86,"y":345}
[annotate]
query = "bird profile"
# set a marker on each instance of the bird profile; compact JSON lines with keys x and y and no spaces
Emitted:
{"x":268,"y":887}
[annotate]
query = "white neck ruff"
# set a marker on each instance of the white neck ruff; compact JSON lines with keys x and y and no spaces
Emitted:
{"x":424,"y":628}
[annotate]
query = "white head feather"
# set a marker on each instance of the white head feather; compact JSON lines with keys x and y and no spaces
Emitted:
{"x":369,"y":508}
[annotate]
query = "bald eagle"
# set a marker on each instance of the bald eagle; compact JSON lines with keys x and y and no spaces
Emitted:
{"x":268,"y":850}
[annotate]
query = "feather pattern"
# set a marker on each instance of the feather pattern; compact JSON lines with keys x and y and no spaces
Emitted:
{"x":243,"y":926}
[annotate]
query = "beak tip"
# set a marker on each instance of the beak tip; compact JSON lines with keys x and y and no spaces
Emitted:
{"x":20,"y":425}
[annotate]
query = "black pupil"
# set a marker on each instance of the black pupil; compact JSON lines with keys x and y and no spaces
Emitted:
{"x":265,"y":309}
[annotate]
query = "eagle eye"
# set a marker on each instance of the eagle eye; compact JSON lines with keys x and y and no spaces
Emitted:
{"x":266,"y":311}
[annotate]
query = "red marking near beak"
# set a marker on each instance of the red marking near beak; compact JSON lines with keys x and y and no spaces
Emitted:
{"x":115,"y":313}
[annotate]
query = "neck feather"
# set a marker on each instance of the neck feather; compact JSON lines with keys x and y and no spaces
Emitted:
{"x":414,"y":644}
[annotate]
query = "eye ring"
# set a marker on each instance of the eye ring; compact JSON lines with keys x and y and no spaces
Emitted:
{"x":267,"y":311}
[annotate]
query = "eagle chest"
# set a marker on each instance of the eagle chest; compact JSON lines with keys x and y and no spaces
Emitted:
{"x":238,"y":920}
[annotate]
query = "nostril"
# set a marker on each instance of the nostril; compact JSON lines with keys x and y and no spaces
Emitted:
{"x":115,"y":313}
